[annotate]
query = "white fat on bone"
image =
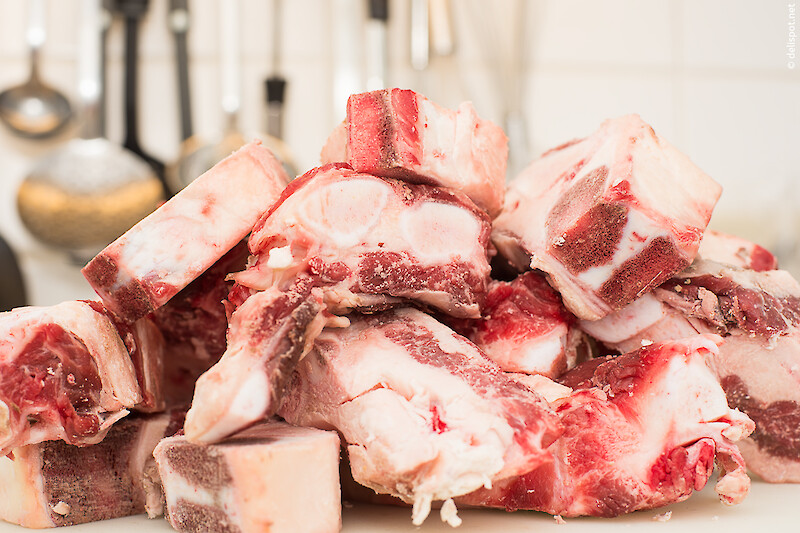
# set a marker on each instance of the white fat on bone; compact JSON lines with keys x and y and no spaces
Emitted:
{"x":425,"y":415}
{"x":269,"y":333}
{"x":607,"y":217}
{"x":759,"y":362}
{"x":53,"y":484}
{"x":271,"y":475}
{"x":64,"y":331}
{"x":642,"y":430}
{"x":401,"y":134}
{"x":164,"y":252}
{"x":372,"y":242}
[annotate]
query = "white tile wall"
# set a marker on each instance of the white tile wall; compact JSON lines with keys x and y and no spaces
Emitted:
{"x":710,"y":75}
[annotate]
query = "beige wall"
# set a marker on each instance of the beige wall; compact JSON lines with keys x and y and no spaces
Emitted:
{"x":710,"y":75}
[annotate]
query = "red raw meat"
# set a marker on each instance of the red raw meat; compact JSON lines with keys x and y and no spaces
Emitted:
{"x":759,"y":365}
{"x":53,"y":484}
{"x":397,"y":133}
{"x":373,"y":242}
{"x":162,"y":254}
{"x":526,"y":328}
{"x":608,"y":217}
{"x":642,"y":430}
{"x":64,"y":374}
{"x":426,"y":416}
{"x":759,"y":368}
{"x":194,"y":323}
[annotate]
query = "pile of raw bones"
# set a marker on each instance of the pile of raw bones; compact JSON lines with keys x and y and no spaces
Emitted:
{"x":574,"y":342}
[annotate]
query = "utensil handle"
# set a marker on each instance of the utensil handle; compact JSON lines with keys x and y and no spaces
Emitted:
{"x":276,"y":93}
{"x":229,"y":60}
{"x":346,"y":47}
{"x":442,"y":40}
{"x":179,"y":23}
{"x":420,"y":44}
{"x":131,"y":141}
{"x":376,"y":49}
{"x":35,"y":34}
{"x":105,"y":23}
{"x":89,"y":67}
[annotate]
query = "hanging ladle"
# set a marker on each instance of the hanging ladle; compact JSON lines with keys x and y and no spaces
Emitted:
{"x":34,"y":109}
{"x":89,"y":191}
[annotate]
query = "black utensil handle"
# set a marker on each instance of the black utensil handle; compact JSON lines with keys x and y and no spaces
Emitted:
{"x":275,"y":87}
{"x":131,"y":141}
{"x":179,"y":24}
{"x":275,"y":91}
{"x":184,"y":94}
{"x":379,"y":10}
{"x":12,"y":284}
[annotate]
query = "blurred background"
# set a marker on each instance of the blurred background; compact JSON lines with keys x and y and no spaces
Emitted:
{"x":716,"y":78}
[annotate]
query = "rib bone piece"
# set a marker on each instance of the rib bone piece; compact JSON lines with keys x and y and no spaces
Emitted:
{"x":164,"y":252}
{"x":64,"y":374}
{"x":373,"y":242}
{"x":608,"y":217}
{"x":642,"y":430}
{"x":397,"y":133}
{"x":269,"y":333}
{"x":271,"y":477}
{"x":426,"y":416}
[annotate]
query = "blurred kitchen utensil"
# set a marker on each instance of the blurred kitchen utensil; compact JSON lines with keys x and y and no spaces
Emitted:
{"x":376,"y":49}
{"x":89,"y":191}
{"x":132,"y":12}
{"x":442,"y":42}
{"x":197,"y":156}
{"x":179,"y":24}
{"x":506,"y":54}
{"x":347,"y":47}
{"x":12,"y":284}
{"x":106,"y":17}
{"x":34,"y":109}
{"x":420,"y":44}
{"x":275,"y":88}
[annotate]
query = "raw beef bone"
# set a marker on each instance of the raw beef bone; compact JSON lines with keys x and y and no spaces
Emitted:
{"x":608,"y":217}
{"x":650,"y":319}
{"x":145,"y":345}
{"x":269,"y":333}
{"x":735,"y":251}
{"x":64,"y":374}
{"x":271,"y":477}
{"x":642,"y":322}
{"x":194,"y":323}
{"x":642,"y":430}
{"x":55,"y":484}
{"x":163,"y":253}
{"x":398,"y":133}
{"x":525,"y":328}
{"x":759,"y":367}
{"x":759,"y":362}
{"x":426,"y":416}
{"x":373,"y":242}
